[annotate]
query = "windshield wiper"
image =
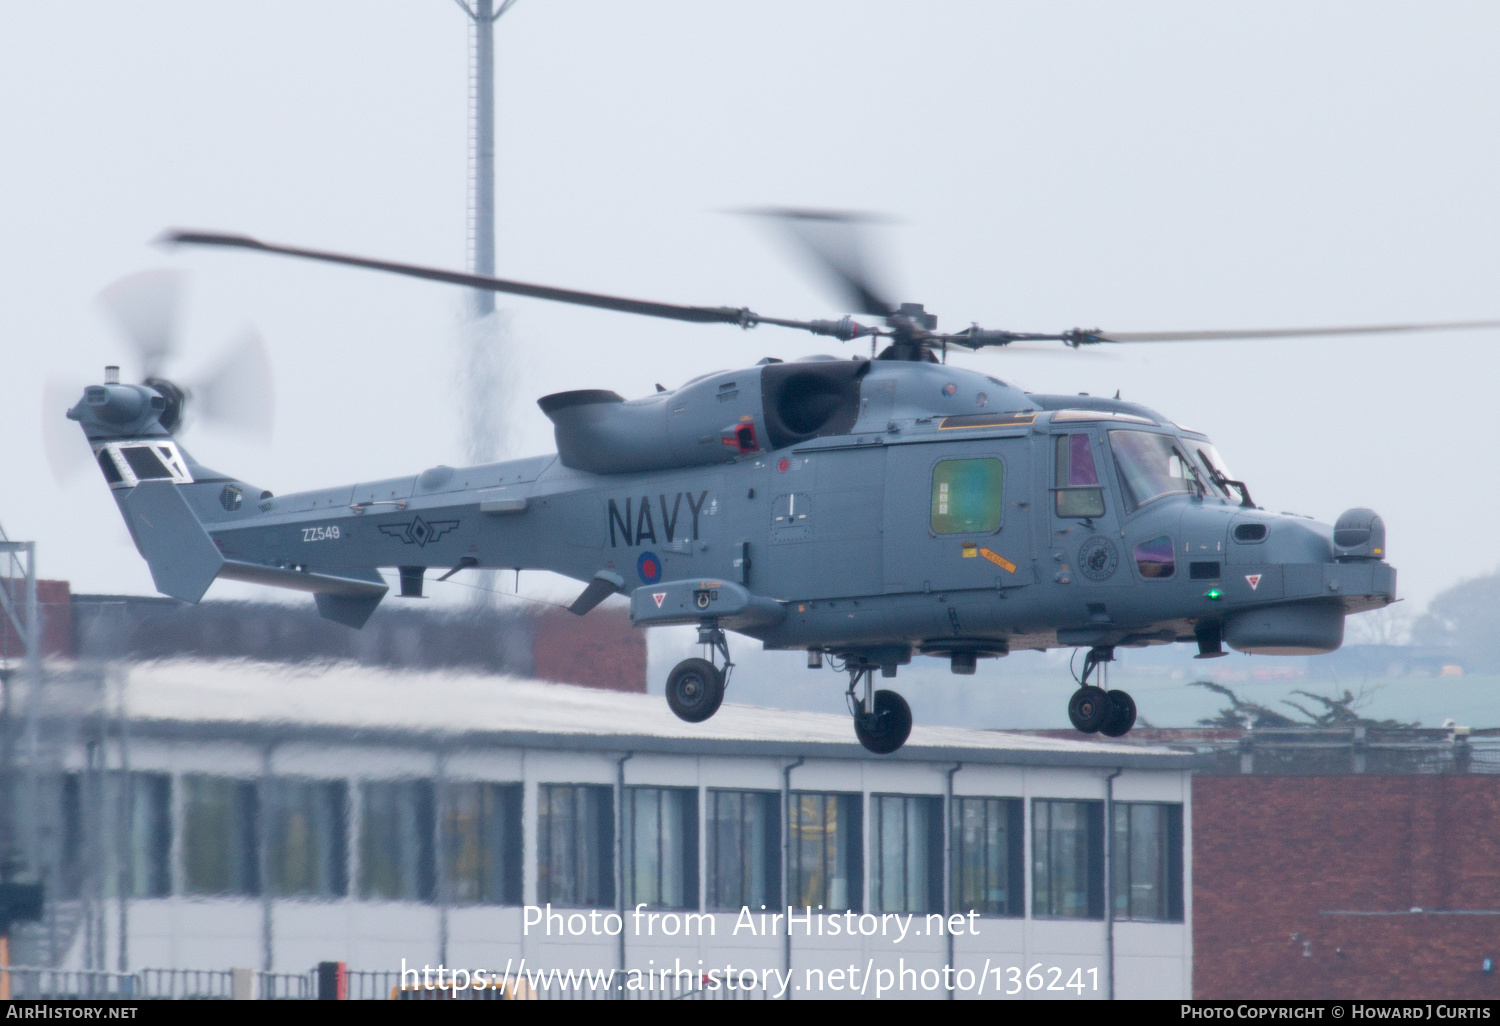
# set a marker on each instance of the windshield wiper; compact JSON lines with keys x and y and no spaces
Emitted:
{"x":1219,"y":479}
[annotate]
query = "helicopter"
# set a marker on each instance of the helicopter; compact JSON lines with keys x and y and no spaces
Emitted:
{"x":865,"y":510}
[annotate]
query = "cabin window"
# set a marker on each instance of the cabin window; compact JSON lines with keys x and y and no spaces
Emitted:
{"x":1078,"y":491}
{"x":967,"y":496}
{"x":1154,"y":558}
{"x":1151,"y":466}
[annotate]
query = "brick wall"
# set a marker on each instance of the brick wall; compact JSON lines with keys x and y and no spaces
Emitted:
{"x":1280,"y":863}
{"x":600,"y":650}
{"x":57,"y":618}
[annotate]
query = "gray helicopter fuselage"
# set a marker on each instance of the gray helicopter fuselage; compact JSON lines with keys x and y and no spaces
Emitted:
{"x":869,"y":509}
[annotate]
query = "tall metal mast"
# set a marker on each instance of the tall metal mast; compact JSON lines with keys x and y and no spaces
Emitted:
{"x":483,"y":14}
{"x":483,"y":383}
{"x":22,"y":616}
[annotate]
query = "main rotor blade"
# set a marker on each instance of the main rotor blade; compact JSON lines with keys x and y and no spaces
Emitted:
{"x":671,"y":311}
{"x":836,"y":244}
{"x":1086,"y":337}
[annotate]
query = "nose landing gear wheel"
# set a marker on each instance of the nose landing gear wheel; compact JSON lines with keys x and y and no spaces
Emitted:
{"x":888,"y":727}
{"x":695,"y":690}
{"x":1120,"y":716}
{"x":1089,"y":708}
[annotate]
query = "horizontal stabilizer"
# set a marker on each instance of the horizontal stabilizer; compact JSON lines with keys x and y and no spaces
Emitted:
{"x":354,"y":582}
{"x":183,"y":559}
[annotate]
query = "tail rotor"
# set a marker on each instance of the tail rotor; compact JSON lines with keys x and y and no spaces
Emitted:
{"x":237,"y":394}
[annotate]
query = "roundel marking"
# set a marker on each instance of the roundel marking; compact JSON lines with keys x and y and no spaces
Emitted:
{"x":783,"y":465}
{"x":649,"y":567}
{"x":1098,"y":559}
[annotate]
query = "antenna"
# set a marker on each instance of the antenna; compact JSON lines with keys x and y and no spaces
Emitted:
{"x":484,"y":336}
{"x":482,"y":17}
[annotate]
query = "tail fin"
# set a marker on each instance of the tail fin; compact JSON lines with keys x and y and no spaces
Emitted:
{"x":184,"y":560}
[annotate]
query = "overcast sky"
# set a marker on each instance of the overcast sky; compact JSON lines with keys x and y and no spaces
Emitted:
{"x":1133,"y":167}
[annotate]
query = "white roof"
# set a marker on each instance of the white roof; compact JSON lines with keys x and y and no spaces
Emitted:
{"x":350,"y":697}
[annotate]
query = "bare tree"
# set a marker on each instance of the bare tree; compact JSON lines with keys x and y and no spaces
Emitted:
{"x":1390,"y":625}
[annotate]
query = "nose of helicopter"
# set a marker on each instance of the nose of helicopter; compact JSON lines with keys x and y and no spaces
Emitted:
{"x":1294,"y":580}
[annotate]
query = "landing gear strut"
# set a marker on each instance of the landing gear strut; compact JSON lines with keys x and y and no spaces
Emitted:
{"x":1094,"y":710}
{"x":695,"y":687}
{"x":882,"y":719}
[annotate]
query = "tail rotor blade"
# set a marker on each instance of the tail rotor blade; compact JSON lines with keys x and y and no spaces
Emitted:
{"x":68,"y":452}
{"x":145,"y":307}
{"x":240,"y":393}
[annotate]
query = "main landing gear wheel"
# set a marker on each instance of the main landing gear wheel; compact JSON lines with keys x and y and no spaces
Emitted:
{"x":887,"y":728}
{"x":1089,"y":708}
{"x":881,"y":720}
{"x":695,"y":690}
{"x":1120,"y":716}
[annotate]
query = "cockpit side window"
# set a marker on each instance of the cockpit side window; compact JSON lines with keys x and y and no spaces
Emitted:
{"x":1151,"y":466}
{"x":1155,"y":558}
{"x":1077,"y":482}
{"x":967,"y":496}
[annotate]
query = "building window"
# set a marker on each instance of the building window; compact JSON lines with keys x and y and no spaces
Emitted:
{"x":305,"y":849}
{"x":907,"y":842}
{"x":987,"y":856}
{"x":661,"y":847}
{"x":69,"y":850}
{"x":219,"y":847}
{"x":482,"y":834}
{"x":1146,"y":861}
{"x":145,"y":811}
{"x":744,"y":849}
{"x":1067,"y":859}
{"x":395,"y":840}
{"x":575,"y":845}
{"x":1077,"y":482}
{"x":966,"y":496}
{"x":827,"y":866}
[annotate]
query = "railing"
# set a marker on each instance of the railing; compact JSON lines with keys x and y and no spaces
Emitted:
{"x":286,"y":986}
{"x":30,"y":983}
{"x":179,"y":984}
{"x":34,"y":983}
